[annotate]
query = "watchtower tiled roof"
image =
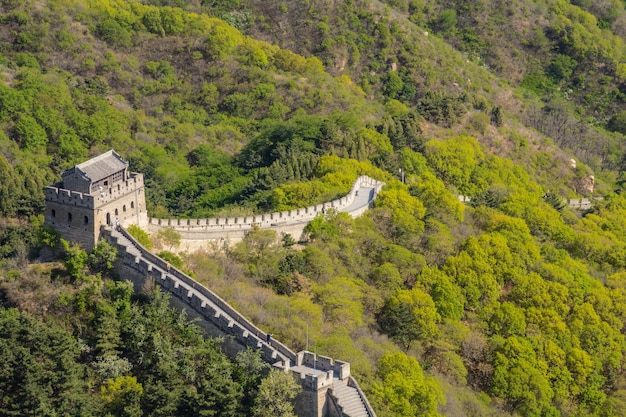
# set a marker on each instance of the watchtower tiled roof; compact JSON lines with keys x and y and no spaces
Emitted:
{"x":102,"y":166}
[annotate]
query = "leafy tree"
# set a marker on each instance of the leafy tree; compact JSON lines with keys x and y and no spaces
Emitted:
{"x":276,"y":392}
{"x":172,"y":258}
{"x":32,"y":136}
{"x":403,"y":389}
{"x":122,"y":396}
{"x":520,"y":377}
{"x":441,"y":108}
{"x":40,"y":371}
{"x":142,"y":237}
{"x":446,"y":295}
{"x":555,"y":200}
{"x":400,"y":214}
{"x":112,"y":32}
{"x":103,"y":256}
{"x":75,"y":260}
{"x":507,"y":320}
{"x":454,"y":160}
{"x":409,"y":315}
{"x":617,"y":123}
{"x":250,"y":371}
{"x":341,"y":302}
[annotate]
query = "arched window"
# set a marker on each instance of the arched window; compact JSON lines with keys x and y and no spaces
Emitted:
{"x":86,"y":220}
{"x":132,"y":204}
{"x":124,"y":208}
{"x":116,"y":212}
{"x":69,"y":217}
{"x":109,"y":219}
{"x":54,"y":213}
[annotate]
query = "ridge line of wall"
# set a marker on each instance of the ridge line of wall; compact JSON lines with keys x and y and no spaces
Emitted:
{"x":190,"y":283}
{"x":269,"y":219}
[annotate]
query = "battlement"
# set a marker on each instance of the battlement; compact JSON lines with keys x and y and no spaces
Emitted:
{"x":56,"y":194}
{"x":314,"y":381}
{"x":299,"y":215}
{"x":338,"y":369}
{"x":69,"y":198}
{"x":118,"y":189}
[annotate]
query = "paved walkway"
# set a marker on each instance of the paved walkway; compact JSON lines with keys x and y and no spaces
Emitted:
{"x":362,"y":201}
{"x":347,"y":397}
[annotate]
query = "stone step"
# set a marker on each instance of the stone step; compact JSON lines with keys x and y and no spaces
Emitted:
{"x":349,"y":400}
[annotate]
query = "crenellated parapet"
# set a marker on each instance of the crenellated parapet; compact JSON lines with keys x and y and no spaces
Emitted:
{"x":118,"y":190}
{"x":196,"y":232}
{"x":68,"y":197}
{"x":267,"y":220}
{"x":204,"y":301}
{"x":327,"y":383}
{"x":338,"y":369}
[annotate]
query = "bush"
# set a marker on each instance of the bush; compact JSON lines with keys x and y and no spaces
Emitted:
{"x":142,"y":237}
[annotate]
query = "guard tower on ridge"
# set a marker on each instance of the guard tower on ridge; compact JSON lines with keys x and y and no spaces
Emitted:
{"x":93,"y":194}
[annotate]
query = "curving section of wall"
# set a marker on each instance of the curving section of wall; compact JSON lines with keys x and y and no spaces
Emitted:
{"x":195,"y":233}
{"x":317,"y":374}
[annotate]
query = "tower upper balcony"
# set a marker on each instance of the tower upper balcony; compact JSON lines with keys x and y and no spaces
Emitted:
{"x":95,"y":175}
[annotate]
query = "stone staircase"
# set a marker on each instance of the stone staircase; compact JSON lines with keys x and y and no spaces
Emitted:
{"x":123,"y":240}
{"x":349,"y":399}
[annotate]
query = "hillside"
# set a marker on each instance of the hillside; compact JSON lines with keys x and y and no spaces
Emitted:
{"x":511,"y":303}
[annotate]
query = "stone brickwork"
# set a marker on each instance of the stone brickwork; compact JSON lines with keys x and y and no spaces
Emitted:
{"x":78,"y":216}
{"x":319,"y":376}
{"x":85,"y":208}
{"x":196,"y":234}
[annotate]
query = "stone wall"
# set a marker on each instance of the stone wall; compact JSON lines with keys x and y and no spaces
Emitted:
{"x":338,"y":369}
{"x":148,"y":269}
{"x":197,"y":233}
{"x":72,"y":216}
{"x":219,"y":319}
{"x":78,"y":217}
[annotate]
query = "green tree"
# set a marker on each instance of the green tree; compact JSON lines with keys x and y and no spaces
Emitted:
{"x":142,"y":237}
{"x":507,"y":320}
{"x":40,"y":368}
{"x":403,"y":389}
{"x":75,"y":260}
{"x":409,"y":315}
{"x":112,"y":32}
{"x":172,"y":258}
{"x":617,"y":123}
{"x":250,"y":370}
{"x":521,"y":378}
{"x":122,"y":396}
{"x":276,"y":392}
{"x":31,"y":135}
{"x":103,"y":256}
{"x":447,"y":296}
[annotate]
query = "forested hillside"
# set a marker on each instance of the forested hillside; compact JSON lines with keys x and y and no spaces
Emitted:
{"x":510,"y":303}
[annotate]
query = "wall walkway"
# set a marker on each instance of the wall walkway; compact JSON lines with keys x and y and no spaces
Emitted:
{"x":197,"y":234}
{"x":329,"y":389}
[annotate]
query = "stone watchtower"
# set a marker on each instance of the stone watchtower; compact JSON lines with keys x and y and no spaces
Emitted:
{"x":93,"y":194}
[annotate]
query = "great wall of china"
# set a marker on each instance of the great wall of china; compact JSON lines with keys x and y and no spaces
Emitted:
{"x":328,"y":387}
{"x":197,"y":233}
{"x":98,"y":198}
